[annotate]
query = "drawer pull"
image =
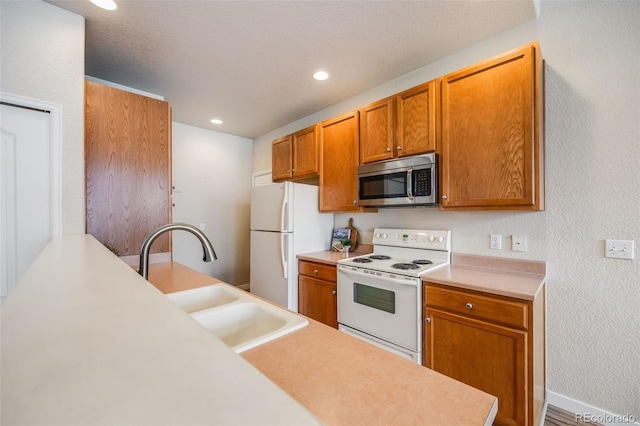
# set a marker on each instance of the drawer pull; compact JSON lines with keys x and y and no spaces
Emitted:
{"x":315,"y":271}
{"x":427,"y":319}
{"x":333,"y":292}
{"x":469,"y":305}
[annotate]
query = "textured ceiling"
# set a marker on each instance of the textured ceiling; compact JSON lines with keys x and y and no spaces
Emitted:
{"x":250,"y":63}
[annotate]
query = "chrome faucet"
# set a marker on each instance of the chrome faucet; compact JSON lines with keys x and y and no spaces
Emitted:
{"x":209,"y":252}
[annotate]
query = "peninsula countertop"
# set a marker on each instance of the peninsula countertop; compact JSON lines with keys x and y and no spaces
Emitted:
{"x":86,"y":340}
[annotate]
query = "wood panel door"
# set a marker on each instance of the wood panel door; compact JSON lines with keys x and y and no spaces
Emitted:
{"x":488,"y":357}
{"x":305,"y":152}
{"x":491,"y":134}
{"x":128,"y":168}
{"x":282,"y":158}
{"x":339,"y":164}
{"x":416,"y":120}
{"x":377,"y":139}
{"x":318,"y":299}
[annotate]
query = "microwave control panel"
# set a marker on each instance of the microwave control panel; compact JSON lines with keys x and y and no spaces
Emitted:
{"x":422,"y":183}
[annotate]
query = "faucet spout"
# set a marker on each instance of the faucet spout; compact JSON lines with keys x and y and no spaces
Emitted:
{"x":209,"y":252}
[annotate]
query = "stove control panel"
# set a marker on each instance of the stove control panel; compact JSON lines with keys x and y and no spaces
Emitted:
{"x":414,"y":238}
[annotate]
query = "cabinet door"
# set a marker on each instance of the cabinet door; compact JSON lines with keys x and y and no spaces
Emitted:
{"x":339,"y":164}
{"x":377,"y":131}
{"x":281,"y":158}
{"x":317,"y":299}
{"x":416,"y":120}
{"x":305,"y":152}
{"x":488,"y":357}
{"x":128,"y":168}
{"x":491,"y":139}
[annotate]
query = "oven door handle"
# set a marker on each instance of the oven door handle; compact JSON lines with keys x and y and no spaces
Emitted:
{"x":413,"y":282}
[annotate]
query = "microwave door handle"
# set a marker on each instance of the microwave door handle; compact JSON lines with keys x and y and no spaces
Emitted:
{"x":410,"y":183}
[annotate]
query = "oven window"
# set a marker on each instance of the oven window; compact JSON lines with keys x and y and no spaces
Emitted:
{"x":392,"y":185}
{"x":374,"y":297}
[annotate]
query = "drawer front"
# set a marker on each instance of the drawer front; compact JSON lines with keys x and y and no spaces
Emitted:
{"x":317,"y":270}
{"x":488,"y":308}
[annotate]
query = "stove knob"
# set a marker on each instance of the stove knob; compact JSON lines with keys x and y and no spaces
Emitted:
{"x":432,"y":238}
{"x":440,"y":239}
{"x":384,"y":236}
{"x":377,"y":235}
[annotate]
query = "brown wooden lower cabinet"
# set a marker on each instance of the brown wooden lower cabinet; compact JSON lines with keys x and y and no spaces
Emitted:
{"x":493,"y":343}
{"x":317,"y":292}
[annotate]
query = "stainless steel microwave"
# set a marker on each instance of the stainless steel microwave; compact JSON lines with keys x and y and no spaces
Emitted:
{"x":409,"y":181}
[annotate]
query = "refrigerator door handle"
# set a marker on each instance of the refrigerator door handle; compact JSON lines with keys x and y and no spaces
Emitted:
{"x":284,"y":211}
{"x":283,"y":259}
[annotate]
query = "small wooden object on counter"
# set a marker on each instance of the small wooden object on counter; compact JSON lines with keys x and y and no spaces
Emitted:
{"x":353,"y":236}
{"x":491,"y":342}
{"x":317,"y":292}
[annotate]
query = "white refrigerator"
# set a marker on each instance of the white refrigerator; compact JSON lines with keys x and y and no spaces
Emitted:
{"x":285,"y":222}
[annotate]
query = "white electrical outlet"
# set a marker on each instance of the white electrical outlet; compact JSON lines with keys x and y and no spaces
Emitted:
{"x":496,"y":242}
{"x":519,"y":242}
{"x":619,"y":249}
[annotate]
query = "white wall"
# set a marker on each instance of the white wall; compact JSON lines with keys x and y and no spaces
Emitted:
{"x":212,"y":181}
{"x":592,"y":174}
{"x":42,"y":57}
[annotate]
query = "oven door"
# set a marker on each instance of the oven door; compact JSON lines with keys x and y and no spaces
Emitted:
{"x":387,"y":308}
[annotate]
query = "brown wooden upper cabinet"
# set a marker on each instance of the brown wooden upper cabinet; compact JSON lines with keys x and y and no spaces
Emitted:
{"x":492,"y":134}
{"x":295,"y":156}
{"x":399,"y":126}
{"x":128,"y":168}
{"x":339,"y":164}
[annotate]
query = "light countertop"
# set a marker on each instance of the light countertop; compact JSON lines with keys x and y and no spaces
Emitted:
{"x":345,"y":381}
{"x":86,"y":340}
{"x":517,"y":278}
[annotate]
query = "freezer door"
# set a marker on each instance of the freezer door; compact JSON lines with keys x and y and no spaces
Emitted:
{"x":271,"y":208}
{"x":272,"y":275}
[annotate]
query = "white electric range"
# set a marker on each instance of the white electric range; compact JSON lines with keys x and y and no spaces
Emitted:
{"x":380,"y":294}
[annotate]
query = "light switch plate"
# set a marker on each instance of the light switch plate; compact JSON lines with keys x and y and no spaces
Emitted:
{"x":619,"y":249}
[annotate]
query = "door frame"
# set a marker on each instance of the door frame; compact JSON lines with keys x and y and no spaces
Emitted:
{"x":55,"y":157}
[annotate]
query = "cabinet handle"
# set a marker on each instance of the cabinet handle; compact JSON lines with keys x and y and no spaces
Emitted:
{"x":388,"y":149}
{"x":444,"y":197}
{"x":315,"y":271}
{"x":333,"y":292}
{"x":355,"y":202}
{"x":427,"y":319}
{"x":399,"y":148}
{"x":469,"y":305}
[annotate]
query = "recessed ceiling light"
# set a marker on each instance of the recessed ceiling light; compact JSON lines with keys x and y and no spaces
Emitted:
{"x":321,"y":75}
{"x":105,"y":4}
{"x":216,"y":121}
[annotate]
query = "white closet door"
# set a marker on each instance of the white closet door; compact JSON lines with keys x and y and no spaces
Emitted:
{"x":25,"y":191}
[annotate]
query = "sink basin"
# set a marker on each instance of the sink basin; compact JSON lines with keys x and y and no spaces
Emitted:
{"x":201,"y":298}
{"x":244,"y":326}
{"x":240,"y":320}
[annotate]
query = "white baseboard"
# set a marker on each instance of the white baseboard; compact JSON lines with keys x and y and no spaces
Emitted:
{"x":586,"y":413}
